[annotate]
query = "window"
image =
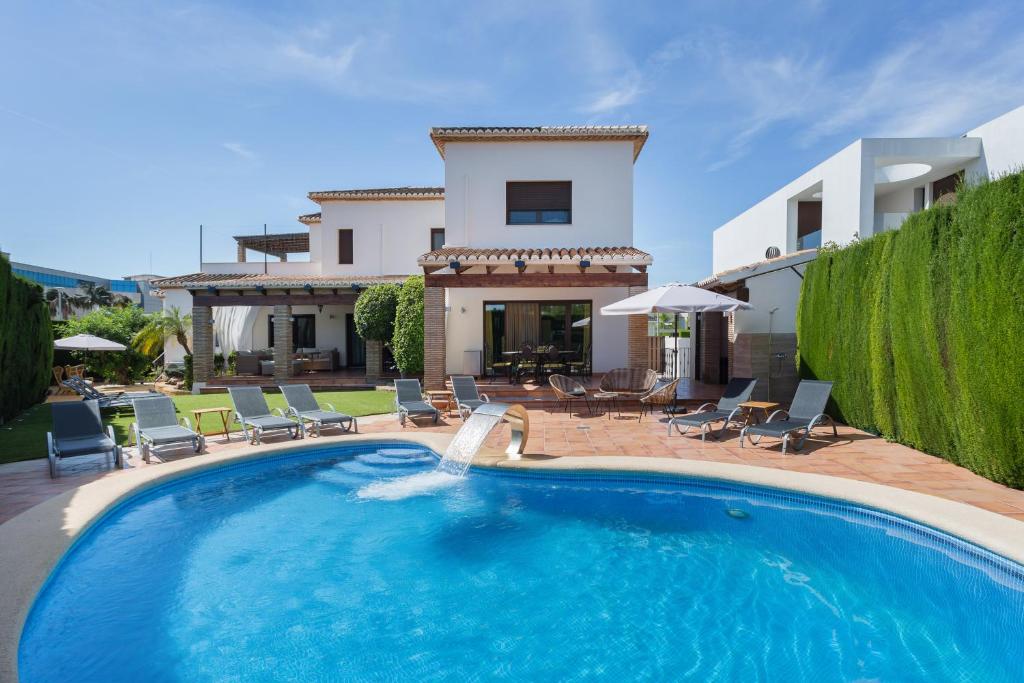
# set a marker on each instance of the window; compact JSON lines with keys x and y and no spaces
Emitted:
{"x":538,"y":203}
{"x":944,"y":189}
{"x":303,"y":331}
{"x":808,"y":225}
{"x":510,"y":324}
{"x":436,"y":238}
{"x":345,"y":246}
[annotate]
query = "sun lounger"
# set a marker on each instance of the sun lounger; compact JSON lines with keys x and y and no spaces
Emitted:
{"x":805,"y":413}
{"x":78,"y":430}
{"x":410,"y":401}
{"x":726,"y":411}
{"x":303,"y":406}
{"x":252,"y":413}
{"x":156,"y":424}
{"x":467,"y":397}
{"x":119,"y":399}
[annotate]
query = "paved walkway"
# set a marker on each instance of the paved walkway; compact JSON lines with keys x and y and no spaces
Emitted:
{"x":854,"y":455}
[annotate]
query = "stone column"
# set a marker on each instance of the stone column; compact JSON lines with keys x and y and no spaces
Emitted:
{"x":241,"y":253}
{"x":202,"y":344}
{"x":433,"y":338}
{"x":282,"y":342}
{"x":636,"y":337}
{"x":374,"y":360}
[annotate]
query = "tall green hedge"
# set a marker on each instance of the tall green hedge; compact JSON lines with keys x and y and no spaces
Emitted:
{"x":921,"y":330}
{"x":26,"y":343}
{"x":407,"y":343}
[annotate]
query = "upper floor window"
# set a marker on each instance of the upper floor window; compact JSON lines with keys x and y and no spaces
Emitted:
{"x":436,"y":238}
{"x":345,"y":246}
{"x":536,"y":203}
{"x":808,"y":225}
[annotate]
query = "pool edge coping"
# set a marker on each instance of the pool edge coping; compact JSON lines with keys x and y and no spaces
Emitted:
{"x":74,"y":511}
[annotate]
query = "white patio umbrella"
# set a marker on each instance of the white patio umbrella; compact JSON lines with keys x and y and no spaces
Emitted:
{"x":675,"y":298}
{"x":87,"y":342}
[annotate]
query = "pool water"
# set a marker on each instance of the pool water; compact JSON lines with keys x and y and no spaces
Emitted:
{"x":338,"y":565}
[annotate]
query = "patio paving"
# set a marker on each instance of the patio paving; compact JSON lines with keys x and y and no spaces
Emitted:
{"x":853,"y":455}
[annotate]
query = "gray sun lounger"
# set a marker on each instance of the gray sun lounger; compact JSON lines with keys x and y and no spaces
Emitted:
{"x":156,"y":424}
{"x":410,"y":402}
{"x":252,"y":413}
{"x":467,"y":397}
{"x":726,"y":411}
{"x":805,"y":413}
{"x":78,"y":430}
{"x":303,"y":406}
{"x":119,"y":399}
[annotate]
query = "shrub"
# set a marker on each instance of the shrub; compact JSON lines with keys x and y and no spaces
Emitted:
{"x":26,"y":343}
{"x":407,"y":343}
{"x":186,"y":377}
{"x":116,"y":324}
{"x":375,"y":312}
{"x":919,"y":327}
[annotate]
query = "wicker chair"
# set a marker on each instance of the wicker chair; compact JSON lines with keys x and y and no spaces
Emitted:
{"x":662,"y":396}
{"x":626,"y":381}
{"x":568,"y":390}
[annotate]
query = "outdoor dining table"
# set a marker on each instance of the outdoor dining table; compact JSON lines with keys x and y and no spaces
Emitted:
{"x":513,"y":356}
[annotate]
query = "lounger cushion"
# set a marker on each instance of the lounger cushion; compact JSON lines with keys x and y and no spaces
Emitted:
{"x":171,"y":434}
{"x":775,"y":428}
{"x":326,"y":416}
{"x":270,"y":422}
{"x":83,"y":444}
{"x":418,"y":407}
{"x":698,"y":419}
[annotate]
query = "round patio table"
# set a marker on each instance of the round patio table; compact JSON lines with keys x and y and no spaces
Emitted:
{"x":609,"y":397}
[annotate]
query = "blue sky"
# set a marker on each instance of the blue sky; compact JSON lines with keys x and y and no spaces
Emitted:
{"x":123,"y":126}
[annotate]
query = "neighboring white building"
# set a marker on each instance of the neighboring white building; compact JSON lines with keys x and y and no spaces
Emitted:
{"x":68,"y":287}
{"x":531,"y":235}
{"x":867,"y":188}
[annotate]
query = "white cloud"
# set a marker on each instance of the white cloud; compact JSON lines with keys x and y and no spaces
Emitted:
{"x":614,"y":99}
{"x":329,"y":68}
{"x":240,"y":150}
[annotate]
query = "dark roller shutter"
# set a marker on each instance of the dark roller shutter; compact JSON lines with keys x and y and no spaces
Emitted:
{"x":345,"y":246}
{"x":539,"y":196}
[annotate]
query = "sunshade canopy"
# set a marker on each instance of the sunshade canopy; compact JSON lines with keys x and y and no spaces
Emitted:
{"x":87,"y":342}
{"x":675,"y":297}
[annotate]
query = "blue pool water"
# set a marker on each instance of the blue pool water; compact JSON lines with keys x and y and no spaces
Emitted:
{"x":332,"y":566}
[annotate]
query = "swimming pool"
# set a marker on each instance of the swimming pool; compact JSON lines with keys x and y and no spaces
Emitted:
{"x":355,"y":563}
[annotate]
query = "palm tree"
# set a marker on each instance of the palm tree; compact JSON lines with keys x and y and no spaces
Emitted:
{"x":96,"y":295}
{"x":166,"y":323}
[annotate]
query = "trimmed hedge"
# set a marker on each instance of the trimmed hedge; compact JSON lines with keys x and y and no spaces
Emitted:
{"x":375,"y":312}
{"x":26,"y":343}
{"x":407,"y":343}
{"x":920,"y":329}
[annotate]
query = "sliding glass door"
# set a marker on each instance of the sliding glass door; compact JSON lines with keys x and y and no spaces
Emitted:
{"x":508,"y":325}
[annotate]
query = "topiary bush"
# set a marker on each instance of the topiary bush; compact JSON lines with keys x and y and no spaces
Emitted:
{"x":407,"y":342}
{"x":375,"y":312}
{"x":919,"y":330}
{"x":26,"y":343}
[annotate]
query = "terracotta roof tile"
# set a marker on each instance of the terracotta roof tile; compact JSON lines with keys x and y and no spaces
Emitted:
{"x":379,"y":193}
{"x":310,"y":218}
{"x":250,"y":281}
{"x":551,"y":255}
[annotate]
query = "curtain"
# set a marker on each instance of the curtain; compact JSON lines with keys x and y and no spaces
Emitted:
{"x":522,"y":323}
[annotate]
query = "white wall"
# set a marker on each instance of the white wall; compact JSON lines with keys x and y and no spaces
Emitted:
{"x":602,"y":192}
{"x":780,"y":289}
{"x":330,"y":328}
{"x":173,"y":352}
{"x":744,"y":239}
{"x":387,"y":236}
{"x":1002,"y":142}
{"x":465,"y":330}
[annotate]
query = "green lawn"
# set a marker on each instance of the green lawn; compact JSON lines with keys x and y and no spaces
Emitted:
{"x":24,"y":437}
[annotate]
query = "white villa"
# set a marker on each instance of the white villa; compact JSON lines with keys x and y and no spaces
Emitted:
{"x":531,"y":234}
{"x":869,"y":187}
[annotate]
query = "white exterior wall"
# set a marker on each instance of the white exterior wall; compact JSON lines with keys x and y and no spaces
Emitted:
{"x":387,"y":236}
{"x":330,"y":328}
{"x":772,"y":222}
{"x":602,"y":192}
{"x":173,"y":352}
{"x":465,"y":328}
{"x":780,"y":290}
{"x":1002,"y":140}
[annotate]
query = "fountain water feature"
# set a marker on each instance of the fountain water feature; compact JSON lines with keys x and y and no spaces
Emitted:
{"x":459,"y":455}
{"x":467,"y":441}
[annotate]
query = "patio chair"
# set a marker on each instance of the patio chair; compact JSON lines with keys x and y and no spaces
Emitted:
{"x":303,"y":406}
{"x":526,"y":362}
{"x":252,"y":413}
{"x":411,"y":402}
{"x":467,"y":397}
{"x":120,"y":399}
{"x":726,"y":411}
{"x":805,"y":413}
{"x":78,"y":430}
{"x":567,"y":390}
{"x":579,"y":364}
{"x":156,"y":424}
{"x":503,"y":365}
{"x":665,"y":395}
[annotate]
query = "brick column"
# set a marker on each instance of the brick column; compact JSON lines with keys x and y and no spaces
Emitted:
{"x":241,"y":253}
{"x":282,"y":342}
{"x":433,"y":338}
{"x":711,"y":348}
{"x":202,"y":344}
{"x":374,"y":360}
{"x":636,"y":337}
